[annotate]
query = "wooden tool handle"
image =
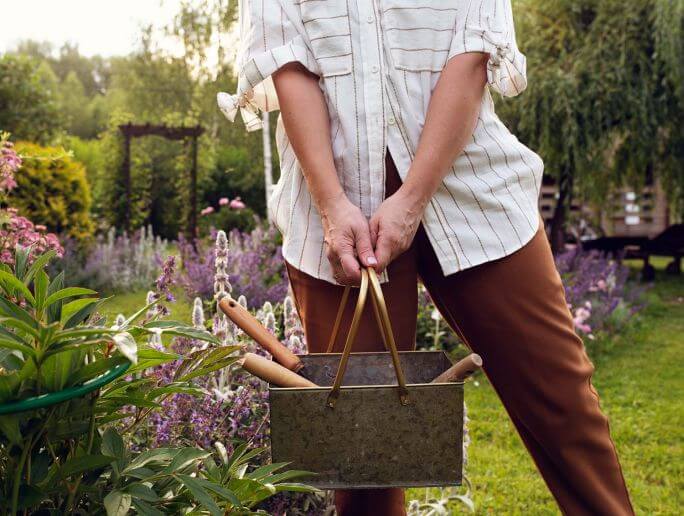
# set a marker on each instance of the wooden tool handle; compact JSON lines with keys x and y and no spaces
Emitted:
{"x":460,"y":370}
{"x":272,"y":372}
{"x":248,"y":323}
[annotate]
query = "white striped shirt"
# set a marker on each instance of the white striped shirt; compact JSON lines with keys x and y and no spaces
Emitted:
{"x":378,"y":62}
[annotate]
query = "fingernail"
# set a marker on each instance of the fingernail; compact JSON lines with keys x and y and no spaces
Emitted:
{"x":371,"y":260}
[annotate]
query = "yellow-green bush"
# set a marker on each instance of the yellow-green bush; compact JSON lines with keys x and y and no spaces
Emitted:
{"x":52,"y":190}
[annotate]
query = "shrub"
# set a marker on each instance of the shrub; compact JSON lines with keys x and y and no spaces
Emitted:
{"x":52,"y":191}
{"x":598,"y":291}
{"x":227,"y":218}
{"x":14,"y":229}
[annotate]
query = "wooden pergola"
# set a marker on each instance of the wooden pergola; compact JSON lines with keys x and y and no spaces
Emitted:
{"x":131,"y":131}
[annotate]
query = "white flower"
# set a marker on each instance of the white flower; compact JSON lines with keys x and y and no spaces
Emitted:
{"x":125,"y":343}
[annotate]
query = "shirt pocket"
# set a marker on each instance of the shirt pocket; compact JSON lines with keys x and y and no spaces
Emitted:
{"x":328,"y":28}
{"x":419,"y":35}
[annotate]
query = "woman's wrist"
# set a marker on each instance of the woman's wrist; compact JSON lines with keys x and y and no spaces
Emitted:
{"x":330,"y":201}
{"x":416,"y":192}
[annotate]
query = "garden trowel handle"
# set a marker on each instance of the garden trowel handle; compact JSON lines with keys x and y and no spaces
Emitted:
{"x":249,"y":324}
{"x":460,"y":370}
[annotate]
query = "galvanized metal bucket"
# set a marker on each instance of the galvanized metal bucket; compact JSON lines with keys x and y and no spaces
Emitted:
{"x":364,"y":429}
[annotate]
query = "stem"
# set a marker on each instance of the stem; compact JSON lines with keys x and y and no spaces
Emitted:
{"x":89,"y":448}
{"x":17,"y":474}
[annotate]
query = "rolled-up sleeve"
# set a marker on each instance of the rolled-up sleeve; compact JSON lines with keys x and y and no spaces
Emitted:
{"x":487,"y":26}
{"x":268,"y":41}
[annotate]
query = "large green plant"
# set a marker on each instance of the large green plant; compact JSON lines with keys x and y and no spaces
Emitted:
{"x":52,"y":190}
{"x":69,"y":457}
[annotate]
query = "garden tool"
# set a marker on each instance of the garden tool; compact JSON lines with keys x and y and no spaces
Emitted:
{"x":252,"y":327}
{"x":272,"y":372}
{"x":460,"y":370}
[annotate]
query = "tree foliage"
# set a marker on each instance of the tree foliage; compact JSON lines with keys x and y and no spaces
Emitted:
{"x":28,"y":101}
{"x":603,"y":105}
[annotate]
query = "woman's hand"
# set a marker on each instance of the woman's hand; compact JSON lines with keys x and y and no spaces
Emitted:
{"x":347,"y":238}
{"x":394,"y":225}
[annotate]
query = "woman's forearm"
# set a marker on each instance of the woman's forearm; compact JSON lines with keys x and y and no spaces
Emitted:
{"x":449,"y":124}
{"x":307,"y":123}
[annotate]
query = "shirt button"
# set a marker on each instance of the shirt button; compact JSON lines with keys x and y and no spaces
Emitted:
{"x":391,"y":120}
{"x":370,"y":19}
{"x":374,"y":69}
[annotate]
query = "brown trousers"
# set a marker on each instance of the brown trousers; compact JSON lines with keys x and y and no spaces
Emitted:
{"x":513,"y":313}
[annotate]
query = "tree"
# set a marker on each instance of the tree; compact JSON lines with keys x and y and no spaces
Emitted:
{"x":28,"y":105}
{"x":602,"y":106}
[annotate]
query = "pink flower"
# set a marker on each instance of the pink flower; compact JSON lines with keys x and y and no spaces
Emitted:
{"x":223,"y":201}
{"x":237,"y":204}
{"x":41,"y":227}
{"x":207,"y":210}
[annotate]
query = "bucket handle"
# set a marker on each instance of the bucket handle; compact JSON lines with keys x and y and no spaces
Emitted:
{"x":369,"y":279}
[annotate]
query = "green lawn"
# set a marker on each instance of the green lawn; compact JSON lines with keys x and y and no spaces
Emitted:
{"x":640,"y":376}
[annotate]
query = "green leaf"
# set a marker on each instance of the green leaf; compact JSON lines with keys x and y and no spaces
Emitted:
{"x":30,"y":497}
{"x":40,"y":262}
{"x":137,"y":315}
{"x":13,"y":344}
{"x":182,"y":330}
{"x":95,"y":369}
{"x":9,"y":426}
{"x":66,"y":293}
{"x":264,"y":471}
{"x":21,"y":256}
{"x":205,"y":361}
{"x":175,"y":388}
{"x":288,"y":475}
{"x":142,"y":492}
{"x":221,"y":491}
{"x":77,"y":312}
{"x":21,"y":326}
{"x":40,"y":286}
{"x":153,"y":354}
{"x":140,"y":473}
{"x":200,"y":494}
{"x":156,"y":455}
{"x":84,"y":463}
{"x":55,"y":309}
{"x":184,"y":458}
{"x":14,"y":284}
{"x":295,"y":488}
{"x":9,"y":309}
{"x":145,"y":509}
{"x":70,"y":346}
{"x":117,"y":503}
{"x":113,"y":444}
{"x":4,"y":332}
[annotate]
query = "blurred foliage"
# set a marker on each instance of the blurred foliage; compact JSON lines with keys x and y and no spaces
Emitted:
{"x":28,"y":106}
{"x":52,"y":190}
{"x":604,"y":103}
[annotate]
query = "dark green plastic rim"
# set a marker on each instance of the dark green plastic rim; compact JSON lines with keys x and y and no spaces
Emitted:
{"x":53,"y":398}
